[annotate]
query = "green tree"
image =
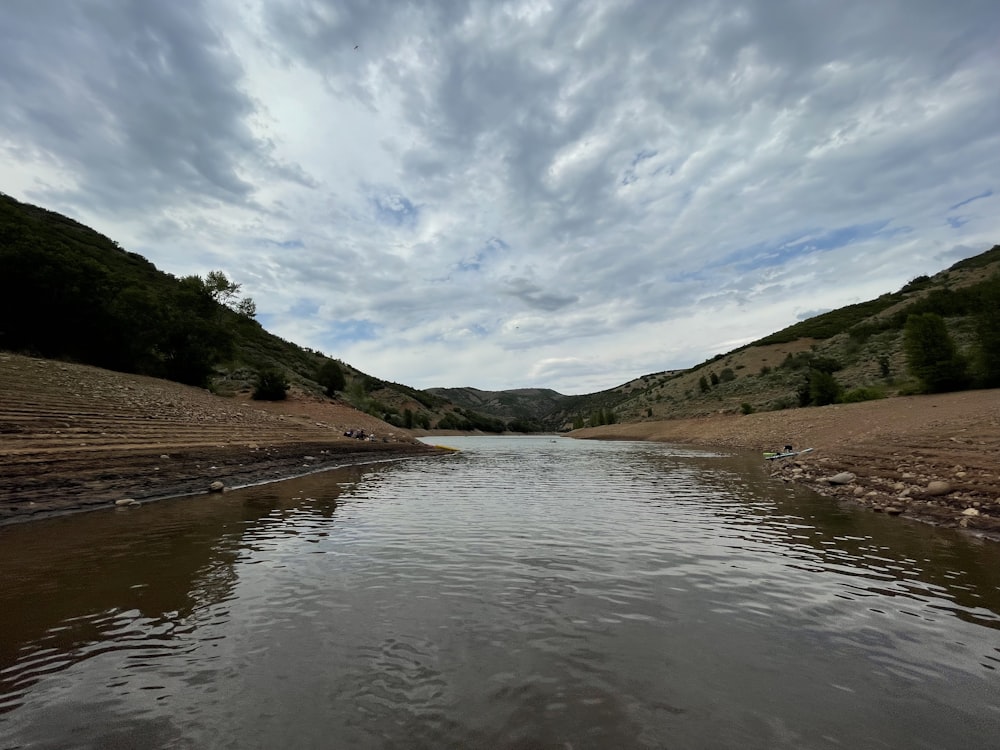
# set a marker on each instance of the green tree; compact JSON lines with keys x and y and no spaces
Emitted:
{"x":714,"y":378}
{"x":988,"y":332}
{"x":331,"y":377}
{"x":227,"y":293}
{"x":932,"y":355}
{"x":703,"y":384}
{"x":272,"y":385}
{"x":823,"y":388}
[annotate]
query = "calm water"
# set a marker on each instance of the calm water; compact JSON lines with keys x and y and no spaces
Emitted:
{"x":526,"y":593}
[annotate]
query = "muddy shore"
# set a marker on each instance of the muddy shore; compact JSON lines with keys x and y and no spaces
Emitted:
{"x":75,"y":438}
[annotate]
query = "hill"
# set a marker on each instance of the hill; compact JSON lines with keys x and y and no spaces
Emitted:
{"x":71,"y":293}
{"x":523,"y":409}
{"x":860,"y":346}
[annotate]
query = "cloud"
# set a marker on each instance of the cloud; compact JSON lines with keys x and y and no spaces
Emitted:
{"x":482,"y":188}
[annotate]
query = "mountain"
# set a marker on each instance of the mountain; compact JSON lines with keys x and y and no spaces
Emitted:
{"x":518,"y":404}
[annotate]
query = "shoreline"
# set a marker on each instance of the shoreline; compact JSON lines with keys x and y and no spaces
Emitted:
{"x":933,"y":459}
{"x":189,"y":472}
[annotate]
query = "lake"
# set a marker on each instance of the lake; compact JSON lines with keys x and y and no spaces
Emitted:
{"x":524,"y":593}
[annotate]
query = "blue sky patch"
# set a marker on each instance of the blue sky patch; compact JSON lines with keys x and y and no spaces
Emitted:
{"x":395,"y":210}
{"x":967,"y":201}
{"x":494,"y":246}
{"x":769,"y":254}
{"x":351,"y":330}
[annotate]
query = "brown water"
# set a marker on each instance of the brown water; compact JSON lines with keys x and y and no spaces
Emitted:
{"x":527,"y":593}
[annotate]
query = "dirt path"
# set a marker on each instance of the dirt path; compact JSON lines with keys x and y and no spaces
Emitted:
{"x":930,"y":458}
{"x":74,"y":437}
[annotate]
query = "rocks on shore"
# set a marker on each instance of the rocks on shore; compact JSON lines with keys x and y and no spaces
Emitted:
{"x":911,"y":489}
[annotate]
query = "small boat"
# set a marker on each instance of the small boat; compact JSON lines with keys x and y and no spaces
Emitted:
{"x":771,"y":455}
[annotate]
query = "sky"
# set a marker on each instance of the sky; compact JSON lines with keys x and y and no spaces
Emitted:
{"x":516,"y":194}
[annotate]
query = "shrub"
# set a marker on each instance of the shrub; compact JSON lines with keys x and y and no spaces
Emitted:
{"x":727,"y":375}
{"x":746,"y":408}
{"x":331,"y":377}
{"x":931,"y":354}
{"x":862,"y":394}
{"x":272,"y":385}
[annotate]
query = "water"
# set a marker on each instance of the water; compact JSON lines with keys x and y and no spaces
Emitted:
{"x":526,"y":593}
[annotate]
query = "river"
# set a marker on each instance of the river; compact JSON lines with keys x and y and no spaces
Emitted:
{"x":524,"y":593}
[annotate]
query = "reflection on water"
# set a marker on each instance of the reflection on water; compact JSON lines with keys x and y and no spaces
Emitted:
{"x":526,"y":593}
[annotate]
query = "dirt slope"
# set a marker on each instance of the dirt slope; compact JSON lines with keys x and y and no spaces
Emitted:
{"x":74,"y":437}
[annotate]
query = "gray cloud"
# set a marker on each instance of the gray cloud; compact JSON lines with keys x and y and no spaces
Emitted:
{"x":501,"y":182}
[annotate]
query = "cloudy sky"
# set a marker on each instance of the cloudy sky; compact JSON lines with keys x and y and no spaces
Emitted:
{"x":565,"y":194}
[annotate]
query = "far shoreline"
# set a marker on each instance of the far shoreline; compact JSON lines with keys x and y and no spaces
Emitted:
{"x":933,"y":458}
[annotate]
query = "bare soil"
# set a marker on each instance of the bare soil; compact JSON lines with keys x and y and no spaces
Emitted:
{"x":74,"y":437}
{"x":893,"y":448}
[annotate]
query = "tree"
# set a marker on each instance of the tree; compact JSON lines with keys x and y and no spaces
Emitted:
{"x":272,"y":385}
{"x":331,"y":377}
{"x":988,"y":332}
{"x":703,"y":384}
{"x":931,"y":354}
{"x":714,"y":378}
{"x":247,"y":308}
{"x":226,"y":292}
{"x":823,"y":388}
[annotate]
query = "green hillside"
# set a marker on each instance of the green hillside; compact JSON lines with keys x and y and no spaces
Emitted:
{"x":69,"y":292}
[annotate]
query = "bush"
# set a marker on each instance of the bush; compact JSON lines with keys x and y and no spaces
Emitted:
{"x":331,"y":377}
{"x":862,"y":394}
{"x":931,"y":354}
{"x":820,"y":389}
{"x":746,"y":408}
{"x":272,"y":385}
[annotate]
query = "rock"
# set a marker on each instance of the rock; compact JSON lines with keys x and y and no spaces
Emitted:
{"x":164,"y":456}
{"x":893,"y":510}
{"x":970,"y":512}
{"x":938,"y":487}
{"x":216,"y":486}
{"x":124,"y":502}
{"x":844,"y":477}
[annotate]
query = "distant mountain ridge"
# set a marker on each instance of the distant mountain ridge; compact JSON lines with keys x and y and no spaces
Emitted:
{"x":517,"y":404}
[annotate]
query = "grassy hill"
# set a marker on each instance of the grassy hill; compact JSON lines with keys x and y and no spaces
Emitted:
{"x":862,"y":345}
{"x":68,"y":292}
